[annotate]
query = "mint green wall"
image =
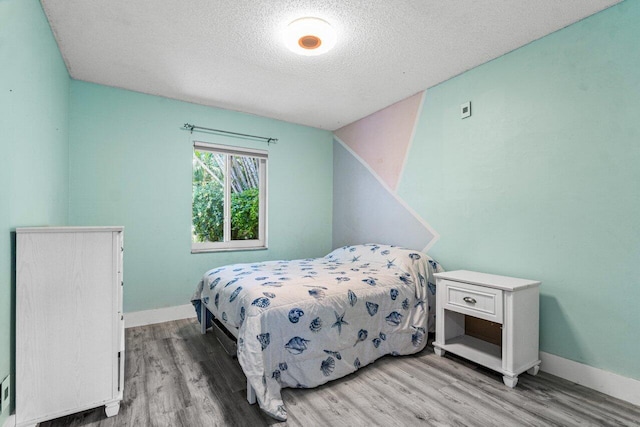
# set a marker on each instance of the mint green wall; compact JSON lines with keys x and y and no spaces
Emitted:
{"x":543,"y":181}
{"x":34,"y":101}
{"x":130,"y":165}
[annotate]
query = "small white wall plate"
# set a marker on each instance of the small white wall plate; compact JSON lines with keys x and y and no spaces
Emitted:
{"x":5,"y":394}
{"x":465,"y":110}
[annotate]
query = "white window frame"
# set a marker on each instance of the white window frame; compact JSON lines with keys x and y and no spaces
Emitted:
{"x":227,"y":244}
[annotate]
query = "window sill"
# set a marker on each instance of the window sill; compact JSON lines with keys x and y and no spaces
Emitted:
{"x":209,"y":250}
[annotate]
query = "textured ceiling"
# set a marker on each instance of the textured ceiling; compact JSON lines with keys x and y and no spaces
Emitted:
{"x":229,"y":53}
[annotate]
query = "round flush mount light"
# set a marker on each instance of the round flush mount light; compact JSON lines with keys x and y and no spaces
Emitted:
{"x":310,"y":36}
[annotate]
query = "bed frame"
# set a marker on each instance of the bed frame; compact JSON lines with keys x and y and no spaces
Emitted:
{"x":228,"y":339}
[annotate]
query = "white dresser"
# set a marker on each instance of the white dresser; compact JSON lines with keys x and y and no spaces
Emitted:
{"x":69,"y":322}
{"x":507,"y":301}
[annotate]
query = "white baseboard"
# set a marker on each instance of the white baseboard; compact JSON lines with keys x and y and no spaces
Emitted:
{"x":158,"y":315}
{"x":10,"y":422}
{"x":623,"y":388}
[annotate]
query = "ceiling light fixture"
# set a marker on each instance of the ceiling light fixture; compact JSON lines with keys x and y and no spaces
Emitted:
{"x":310,"y":36}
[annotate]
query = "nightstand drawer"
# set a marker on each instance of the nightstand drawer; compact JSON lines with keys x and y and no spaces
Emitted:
{"x":478,"y":301}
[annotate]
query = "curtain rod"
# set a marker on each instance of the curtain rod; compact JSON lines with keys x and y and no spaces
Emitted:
{"x":191,"y":128}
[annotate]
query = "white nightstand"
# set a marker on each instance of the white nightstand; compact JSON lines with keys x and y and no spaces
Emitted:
{"x":511,"y":302}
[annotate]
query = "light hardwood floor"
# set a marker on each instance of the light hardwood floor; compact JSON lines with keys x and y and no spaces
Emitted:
{"x":177,"y":377}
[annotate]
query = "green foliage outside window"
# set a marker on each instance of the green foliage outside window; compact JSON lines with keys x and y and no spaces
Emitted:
{"x":208,"y":214}
{"x":208,"y":197}
{"x":244,"y":214}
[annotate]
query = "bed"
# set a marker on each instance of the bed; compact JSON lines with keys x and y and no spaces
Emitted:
{"x":302,"y":323}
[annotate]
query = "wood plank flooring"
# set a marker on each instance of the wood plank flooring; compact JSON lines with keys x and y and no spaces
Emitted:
{"x":174,"y":376}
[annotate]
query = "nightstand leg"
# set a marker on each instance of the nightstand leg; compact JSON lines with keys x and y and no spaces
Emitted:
{"x":510,"y":381}
{"x":438,"y":351}
{"x":533,"y":370}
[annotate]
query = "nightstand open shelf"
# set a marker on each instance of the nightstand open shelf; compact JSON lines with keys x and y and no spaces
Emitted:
{"x":477,"y":350}
{"x":509,"y":302}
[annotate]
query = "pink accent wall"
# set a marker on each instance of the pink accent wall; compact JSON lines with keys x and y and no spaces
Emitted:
{"x":382,"y":138}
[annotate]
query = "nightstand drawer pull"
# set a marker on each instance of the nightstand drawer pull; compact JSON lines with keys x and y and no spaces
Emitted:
{"x":469,"y":300}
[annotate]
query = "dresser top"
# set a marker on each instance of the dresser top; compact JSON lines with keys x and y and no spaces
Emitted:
{"x":66,"y":229}
{"x":488,"y":280}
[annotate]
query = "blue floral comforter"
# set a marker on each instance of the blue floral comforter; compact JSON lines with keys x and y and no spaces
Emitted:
{"x":305,"y":322}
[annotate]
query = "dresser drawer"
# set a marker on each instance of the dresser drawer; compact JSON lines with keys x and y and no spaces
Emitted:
{"x":478,"y":301}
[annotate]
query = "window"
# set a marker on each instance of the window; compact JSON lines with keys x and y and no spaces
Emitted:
{"x":229,"y":198}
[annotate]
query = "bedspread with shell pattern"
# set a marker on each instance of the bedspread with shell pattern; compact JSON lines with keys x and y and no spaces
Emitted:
{"x":305,"y":322}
